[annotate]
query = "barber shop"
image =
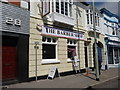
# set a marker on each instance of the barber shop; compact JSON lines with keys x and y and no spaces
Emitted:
{"x":57,"y":47}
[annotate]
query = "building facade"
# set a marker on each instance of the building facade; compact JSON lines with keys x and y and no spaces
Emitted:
{"x":99,"y":36}
{"x":112,"y":39}
{"x":15,"y":40}
{"x":63,"y":30}
{"x":60,"y":31}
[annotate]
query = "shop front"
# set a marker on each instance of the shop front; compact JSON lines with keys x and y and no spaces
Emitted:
{"x":113,"y":53}
{"x":57,"y":48}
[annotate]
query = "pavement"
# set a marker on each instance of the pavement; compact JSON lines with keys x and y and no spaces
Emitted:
{"x":70,"y":81}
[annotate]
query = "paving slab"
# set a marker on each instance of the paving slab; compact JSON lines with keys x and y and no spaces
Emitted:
{"x":70,"y":81}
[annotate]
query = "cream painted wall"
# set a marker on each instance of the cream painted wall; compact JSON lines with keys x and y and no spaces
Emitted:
{"x":63,"y":66}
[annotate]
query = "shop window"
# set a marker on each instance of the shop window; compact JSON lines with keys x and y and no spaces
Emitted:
{"x":71,"y":42}
{"x":49,"y":47}
{"x":49,"y":51}
{"x":71,"y":52}
{"x":71,"y":48}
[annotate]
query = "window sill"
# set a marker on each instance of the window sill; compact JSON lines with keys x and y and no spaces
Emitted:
{"x":69,"y":60}
{"x":50,"y":61}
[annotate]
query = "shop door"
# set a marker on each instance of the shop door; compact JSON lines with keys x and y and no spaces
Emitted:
{"x":116,"y":56}
{"x":99,"y":54}
{"x":8,"y":62}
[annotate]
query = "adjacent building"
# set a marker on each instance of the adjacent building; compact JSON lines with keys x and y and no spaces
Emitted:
{"x":14,"y":31}
{"x":112,"y":37}
{"x":90,"y":45}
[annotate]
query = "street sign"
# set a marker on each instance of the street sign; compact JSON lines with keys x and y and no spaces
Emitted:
{"x":53,"y":71}
{"x":36,"y":42}
{"x":36,"y":47}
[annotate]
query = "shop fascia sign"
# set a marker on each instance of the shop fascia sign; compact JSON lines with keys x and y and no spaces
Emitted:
{"x":62,"y":33}
{"x":12,"y":21}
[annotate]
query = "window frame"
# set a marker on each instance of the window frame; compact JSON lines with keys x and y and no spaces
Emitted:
{"x":89,"y":16}
{"x":48,"y":61}
{"x":73,"y":45}
{"x":69,"y":7}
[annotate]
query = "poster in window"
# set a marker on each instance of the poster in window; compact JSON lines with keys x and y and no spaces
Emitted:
{"x":45,"y":7}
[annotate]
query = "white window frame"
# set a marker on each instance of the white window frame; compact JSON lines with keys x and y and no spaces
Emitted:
{"x":50,"y":61}
{"x":75,"y":45}
{"x":24,"y":4}
{"x":68,"y":7}
{"x":89,"y":17}
{"x":32,"y":7}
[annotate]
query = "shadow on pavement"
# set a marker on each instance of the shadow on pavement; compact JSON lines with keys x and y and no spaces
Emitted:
{"x":89,"y":77}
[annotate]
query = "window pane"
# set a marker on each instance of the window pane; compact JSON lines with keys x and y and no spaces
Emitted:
{"x":54,"y":40}
{"x":98,"y":21}
{"x":49,"y":51}
{"x":44,"y":39}
{"x":71,"y":51}
{"x":70,"y":9}
{"x":87,"y":18}
{"x":91,"y":17}
{"x":75,"y":42}
{"x":70,"y":41}
{"x":113,"y":33}
{"x":62,"y":7}
{"x":66,"y":8}
{"x":86,"y":11}
{"x":57,"y":6}
{"x":48,"y":39}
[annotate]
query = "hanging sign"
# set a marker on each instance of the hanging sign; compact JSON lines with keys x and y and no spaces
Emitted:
{"x":62,"y":33}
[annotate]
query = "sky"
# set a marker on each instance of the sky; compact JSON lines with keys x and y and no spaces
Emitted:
{"x":111,"y":6}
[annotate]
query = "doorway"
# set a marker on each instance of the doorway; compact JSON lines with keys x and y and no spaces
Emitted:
{"x":86,"y":54}
{"x":8,"y":62}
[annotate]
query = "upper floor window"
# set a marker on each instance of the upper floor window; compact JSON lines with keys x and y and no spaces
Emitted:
{"x":57,"y":7}
{"x":63,"y":7}
{"x":89,"y":15}
{"x":113,"y":32}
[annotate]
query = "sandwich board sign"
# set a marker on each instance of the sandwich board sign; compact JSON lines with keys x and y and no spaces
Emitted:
{"x":53,"y":71}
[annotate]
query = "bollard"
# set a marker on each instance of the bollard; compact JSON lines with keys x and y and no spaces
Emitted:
{"x":87,"y":71}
